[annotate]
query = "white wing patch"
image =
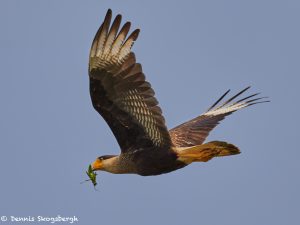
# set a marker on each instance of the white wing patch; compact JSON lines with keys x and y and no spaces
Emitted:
{"x":229,"y":107}
{"x":110,"y":48}
{"x":226,"y":109}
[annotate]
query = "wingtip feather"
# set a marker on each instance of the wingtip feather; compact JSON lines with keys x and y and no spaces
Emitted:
{"x":242,"y":103}
{"x":219,"y":100}
{"x":111,"y":46}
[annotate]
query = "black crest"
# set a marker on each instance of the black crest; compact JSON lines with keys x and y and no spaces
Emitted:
{"x":104,"y":157}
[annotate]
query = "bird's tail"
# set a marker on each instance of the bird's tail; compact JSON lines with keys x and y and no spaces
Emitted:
{"x":205,"y":152}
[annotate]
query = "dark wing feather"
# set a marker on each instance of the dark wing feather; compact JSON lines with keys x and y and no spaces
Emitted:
{"x":195,"y":131}
{"x":120,"y":93}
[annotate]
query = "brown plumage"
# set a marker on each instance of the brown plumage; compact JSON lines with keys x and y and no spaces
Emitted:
{"x":122,"y":96}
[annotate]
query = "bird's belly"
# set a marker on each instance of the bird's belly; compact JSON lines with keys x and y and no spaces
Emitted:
{"x":150,"y":164}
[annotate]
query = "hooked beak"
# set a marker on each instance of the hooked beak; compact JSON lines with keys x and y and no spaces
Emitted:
{"x":97,"y":165}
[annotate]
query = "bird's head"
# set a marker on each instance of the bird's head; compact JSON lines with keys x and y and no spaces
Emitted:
{"x":103,"y":162}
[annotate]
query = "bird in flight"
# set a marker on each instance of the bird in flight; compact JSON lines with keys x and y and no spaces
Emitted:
{"x":126,"y":101}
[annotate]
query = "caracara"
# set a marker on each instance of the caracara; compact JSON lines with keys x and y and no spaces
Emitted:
{"x":126,"y":101}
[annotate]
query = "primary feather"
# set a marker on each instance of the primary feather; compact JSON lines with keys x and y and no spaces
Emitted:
{"x":195,"y":131}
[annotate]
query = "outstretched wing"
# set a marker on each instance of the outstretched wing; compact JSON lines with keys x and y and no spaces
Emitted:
{"x":119,"y":91}
{"x":195,"y":131}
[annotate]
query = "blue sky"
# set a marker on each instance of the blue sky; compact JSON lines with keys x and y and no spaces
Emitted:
{"x":191,"y":52}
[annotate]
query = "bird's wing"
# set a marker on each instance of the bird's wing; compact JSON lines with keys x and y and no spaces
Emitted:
{"x":119,"y":91}
{"x":195,"y":131}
